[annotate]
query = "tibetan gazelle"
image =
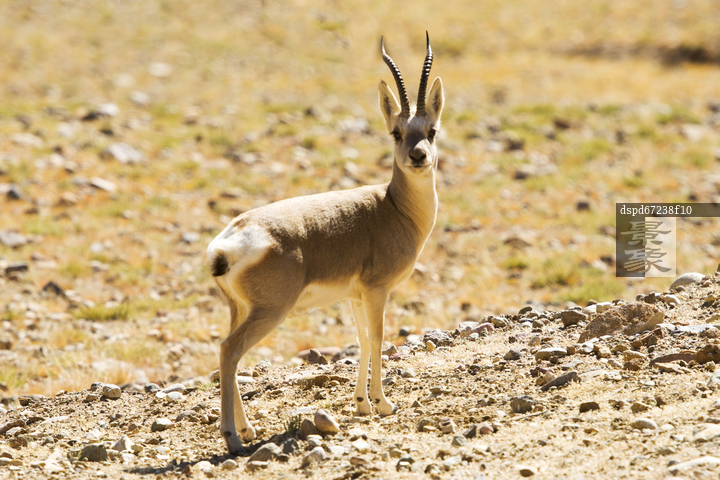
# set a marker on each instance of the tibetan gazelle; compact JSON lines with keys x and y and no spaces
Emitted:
{"x":314,"y":250}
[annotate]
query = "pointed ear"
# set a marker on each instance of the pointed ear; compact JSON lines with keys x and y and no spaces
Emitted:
{"x":436,"y":99}
{"x":388,"y":105}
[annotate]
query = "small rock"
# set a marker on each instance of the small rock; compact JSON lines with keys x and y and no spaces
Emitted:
{"x":254,"y":466}
{"x":361,"y":445}
{"x":548,"y":353}
{"x":639,"y":407}
{"x":325,"y":422}
{"x":161,"y":424}
{"x":316,"y":357}
{"x":316,"y":455}
{"x":644,"y":424}
{"x":562,"y":380}
{"x":438,"y":337}
{"x":589,"y":406}
{"x":175,"y":387}
{"x":307,"y":427}
{"x":459,"y":441}
{"x":572,"y":317}
{"x":526,"y":471}
{"x":123,"y":153}
{"x":290,"y":446}
{"x":12,"y":239}
{"x":229,"y":464}
{"x":522,"y":404}
{"x":111,"y":392}
{"x":94,"y":452}
{"x":513,"y":354}
{"x":430,"y":346}
{"x":267,"y":452}
{"x":123,"y":444}
{"x":102,"y":184}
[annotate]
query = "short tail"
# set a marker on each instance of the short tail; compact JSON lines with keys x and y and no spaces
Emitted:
{"x":219,"y":264}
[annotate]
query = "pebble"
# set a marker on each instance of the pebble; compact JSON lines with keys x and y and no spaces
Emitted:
{"x":290,"y":446}
{"x":124,"y":444}
{"x":254,"y":465}
{"x":123,"y":153}
{"x":94,"y":452}
{"x":548,"y":353}
{"x":572,"y":317}
{"x":644,"y":424}
{"x":161,"y":424}
{"x":562,"y":380}
{"x":639,"y":407}
{"x":522,"y":404}
{"x":317,"y":455}
{"x":459,"y":440}
{"x":307,"y":428}
{"x":267,"y":452}
{"x":175,"y":387}
{"x":229,"y":464}
{"x":513,"y":354}
{"x":361,"y":445}
{"x":112,"y":392}
{"x":589,"y":406}
{"x":526,"y":471}
{"x":325,"y":422}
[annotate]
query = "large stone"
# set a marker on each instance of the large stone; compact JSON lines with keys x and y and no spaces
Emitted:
{"x":708,"y":353}
{"x":629,"y":319}
{"x":706,"y":461}
{"x":325,"y":422}
{"x":706,"y":433}
{"x":687,"y":279}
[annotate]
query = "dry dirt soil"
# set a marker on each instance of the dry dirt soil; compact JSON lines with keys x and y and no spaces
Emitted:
{"x":500,"y":397}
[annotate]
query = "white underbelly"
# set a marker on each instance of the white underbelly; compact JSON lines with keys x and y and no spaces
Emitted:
{"x":317,"y":295}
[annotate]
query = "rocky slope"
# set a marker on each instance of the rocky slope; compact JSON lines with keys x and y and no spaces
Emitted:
{"x":502,"y":397}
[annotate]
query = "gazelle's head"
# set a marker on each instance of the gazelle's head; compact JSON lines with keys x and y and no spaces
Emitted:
{"x":413,"y":131}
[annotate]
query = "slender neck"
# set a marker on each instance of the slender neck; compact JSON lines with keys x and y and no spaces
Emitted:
{"x":416,"y":198}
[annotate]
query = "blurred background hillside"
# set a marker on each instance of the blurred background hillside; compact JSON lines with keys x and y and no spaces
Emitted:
{"x":131,"y":132}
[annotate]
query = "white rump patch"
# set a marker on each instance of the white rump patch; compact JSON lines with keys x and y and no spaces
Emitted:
{"x":243,"y":246}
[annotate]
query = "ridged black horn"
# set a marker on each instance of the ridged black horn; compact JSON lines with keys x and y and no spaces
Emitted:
{"x":404,"y":102}
{"x":424,"y":78}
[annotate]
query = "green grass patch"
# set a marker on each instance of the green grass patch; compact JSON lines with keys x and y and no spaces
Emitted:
{"x":101,"y":313}
{"x":602,"y":289}
{"x":557,"y":272}
{"x":515,"y":263}
{"x":677,"y":115}
{"x":594,"y":148}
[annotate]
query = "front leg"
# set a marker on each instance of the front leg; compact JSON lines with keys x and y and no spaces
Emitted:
{"x":374,"y":306}
{"x":362,"y":404}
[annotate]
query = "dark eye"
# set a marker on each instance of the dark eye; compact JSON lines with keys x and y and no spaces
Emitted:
{"x":396,"y":135}
{"x":431,"y":134}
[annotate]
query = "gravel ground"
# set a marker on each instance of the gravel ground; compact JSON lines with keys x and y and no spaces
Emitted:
{"x":502,"y":397}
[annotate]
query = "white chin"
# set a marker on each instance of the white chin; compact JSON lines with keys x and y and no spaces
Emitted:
{"x":418,"y":170}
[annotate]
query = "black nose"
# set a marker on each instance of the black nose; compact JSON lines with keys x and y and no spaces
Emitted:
{"x":417,"y":155}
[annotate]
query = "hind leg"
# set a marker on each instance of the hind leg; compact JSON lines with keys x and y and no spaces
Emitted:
{"x":232,"y":414}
